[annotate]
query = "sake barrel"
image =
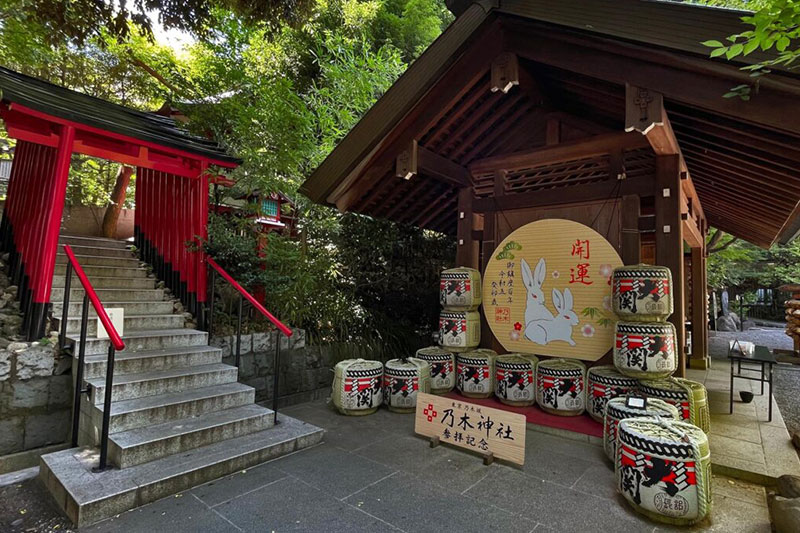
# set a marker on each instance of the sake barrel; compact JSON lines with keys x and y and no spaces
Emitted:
{"x":402,"y":381}
{"x":663,"y":469}
{"x":616,"y":410}
{"x":515,"y":382}
{"x":645,"y":351}
{"x":475,"y":374}
{"x":561,"y":386}
{"x":443,"y":368}
{"x":642,"y":293}
{"x":460,"y":289}
{"x":357,"y":386}
{"x":459,"y":331}
{"x":690,"y":397}
{"x":605,"y":382}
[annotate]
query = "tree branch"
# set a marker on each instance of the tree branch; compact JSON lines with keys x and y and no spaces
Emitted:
{"x":723,"y":246}
{"x":150,"y":70}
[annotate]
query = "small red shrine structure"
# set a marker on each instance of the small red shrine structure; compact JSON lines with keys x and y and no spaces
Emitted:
{"x":50,"y":123}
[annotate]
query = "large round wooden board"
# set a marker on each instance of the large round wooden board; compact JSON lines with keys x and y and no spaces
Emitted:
{"x":547,"y":290}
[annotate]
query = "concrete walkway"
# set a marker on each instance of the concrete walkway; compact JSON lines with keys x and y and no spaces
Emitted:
{"x":372,"y":474}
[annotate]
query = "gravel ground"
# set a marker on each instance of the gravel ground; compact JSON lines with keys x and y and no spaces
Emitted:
{"x":787,"y":379}
{"x":28,"y":507}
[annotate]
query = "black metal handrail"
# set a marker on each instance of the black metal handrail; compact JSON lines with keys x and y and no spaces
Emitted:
{"x":243,"y":294}
{"x":116,"y":343}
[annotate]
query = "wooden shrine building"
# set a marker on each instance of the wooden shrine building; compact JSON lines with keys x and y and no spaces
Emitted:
{"x":608,"y":113}
{"x":50,"y":123}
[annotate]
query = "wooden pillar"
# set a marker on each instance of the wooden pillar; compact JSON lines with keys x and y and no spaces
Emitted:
{"x":488,"y":245}
{"x":669,"y":242}
{"x":699,"y":310}
{"x":467,"y":251}
{"x":631,"y":243}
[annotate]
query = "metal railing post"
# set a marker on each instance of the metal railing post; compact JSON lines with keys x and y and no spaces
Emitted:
{"x":62,"y":341}
{"x":211,"y":303}
{"x":107,"y":409}
{"x":76,"y":404}
{"x":239,"y":333}
{"x":276,"y":368}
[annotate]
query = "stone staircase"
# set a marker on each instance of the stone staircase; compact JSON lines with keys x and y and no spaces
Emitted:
{"x":179,"y":417}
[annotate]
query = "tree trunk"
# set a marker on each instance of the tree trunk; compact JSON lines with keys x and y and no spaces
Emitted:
{"x":117,"y":200}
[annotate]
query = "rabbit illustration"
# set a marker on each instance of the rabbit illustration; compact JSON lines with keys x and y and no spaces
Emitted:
{"x":536,"y":308}
{"x":560,"y":328}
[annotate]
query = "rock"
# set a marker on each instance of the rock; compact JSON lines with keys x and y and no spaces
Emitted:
{"x":178,"y":307}
{"x":796,"y":440}
{"x":35,"y":361}
{"x":188,"y":316}
{"x":785,"y":514}
{"x":17,"y":346}
{"x":4,"y":343}
{"x":12,"y":290}
{"x":729,"y":322}
{"x":5,"y":365}
{"x":789,"y":486}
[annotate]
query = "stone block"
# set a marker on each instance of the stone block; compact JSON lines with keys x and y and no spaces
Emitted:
{"x":298,"y":338}
{"x":247,"y":367}
{"x":61,"y":391}
{"x":36,"y":361}
{"x":30,"y":393}
{"x":223,"y":342}
{"x":5,"y":365}
{"x":52,"y":428}
{"x":11,"y":435}
{"x":247,"y":342}
{"x":263,"y":342}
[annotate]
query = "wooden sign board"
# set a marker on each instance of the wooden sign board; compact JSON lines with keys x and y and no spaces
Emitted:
{"x":482,"y":429}
{"x":117,"y":317}
{"x":547,"y":290}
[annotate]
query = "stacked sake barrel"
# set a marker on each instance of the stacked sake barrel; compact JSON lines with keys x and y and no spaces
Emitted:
{"x":515,"y":379}
{"x":644,"y":344}
{"x":459,"y":321}
{"x":561,"y":387}
{"x":793,"y":315}
{"x":403,"y":380}
{"x":357,"y":387}
{"x":475,"y":373}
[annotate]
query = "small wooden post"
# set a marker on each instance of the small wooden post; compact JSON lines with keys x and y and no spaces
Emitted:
{"x":669,"y":242}
{"x":699,"y":310}
{"x":434,"y":442}
{"x":631,"y":240}
{"x":467,"y":251}
{"x":488,"y":458}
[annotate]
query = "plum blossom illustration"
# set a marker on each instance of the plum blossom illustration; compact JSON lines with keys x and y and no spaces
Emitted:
{"x":607,"y":302}
{"x":606,"y":270}
{"x":587,"y":330}
{"x":556,"y":274}
{"x":514,"y":335}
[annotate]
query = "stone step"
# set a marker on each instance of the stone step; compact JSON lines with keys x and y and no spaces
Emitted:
{"x":79,"y":240}
{"x":108,"y":295}
{"x":151,"y":360}
{"x":148,"y":340}
{"x":158,"y":382}
{"x":100,"y":260}
{"x":80,"y":250}
{"x":131,"y":308}
{"x":141,"y":412}
{"x":132,"y":323}
{"x":88,"y":497}
{"x":108,"y":283}
{"x":149,"y":443}
{"x":105,"y":272}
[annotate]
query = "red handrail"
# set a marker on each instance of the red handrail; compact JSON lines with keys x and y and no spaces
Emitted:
{"x":278,"y":324}
{"x":116,"y":340}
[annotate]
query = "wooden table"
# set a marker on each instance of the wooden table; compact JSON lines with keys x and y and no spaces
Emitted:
{"x":761,"y":356}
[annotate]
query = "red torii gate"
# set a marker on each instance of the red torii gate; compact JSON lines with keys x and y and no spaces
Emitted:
{"x":51,"y":123}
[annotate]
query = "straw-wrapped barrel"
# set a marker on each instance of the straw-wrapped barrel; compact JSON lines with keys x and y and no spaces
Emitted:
{"x":443,"y":368}
{"x":645,"y":351}
{"x":605,"y":383}
{"x":561,"y":387}
{"x":475,"y":374}
{"x":642,"y":293}
{"x":663,"y":469}
{"x":515,"y":382}
{"x":459,"y":331}
{"x":357,"y":386}
{"x":460,"y":289}
{"x":617,"y":410}
{"x":690,"y":397}
{"x":402,"y":381}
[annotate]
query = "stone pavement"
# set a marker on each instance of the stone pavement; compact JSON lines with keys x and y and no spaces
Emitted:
{"x":373,"y":474}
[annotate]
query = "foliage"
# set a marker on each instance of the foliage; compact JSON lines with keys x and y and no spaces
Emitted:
{"x":774,"y":27}
{"x":747,"y":266}
{"x":80,"y":20}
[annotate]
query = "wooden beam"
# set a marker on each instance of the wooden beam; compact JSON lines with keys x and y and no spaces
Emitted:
{"x":406,"y":163}
{"x":576,"y":194}
{"x":553,"y":132}
{"x":583,"y":148}
{"x":631,"y":239}
{"x":666,"y":72}
{"x":467,"y":250}
{"x":417,"y":160}
{"x":669,"y":242}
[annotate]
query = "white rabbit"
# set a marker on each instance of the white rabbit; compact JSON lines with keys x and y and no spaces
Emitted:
{"x":536,"y":308}
{"x":536,"y":331}
{"x":560,"y":328}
